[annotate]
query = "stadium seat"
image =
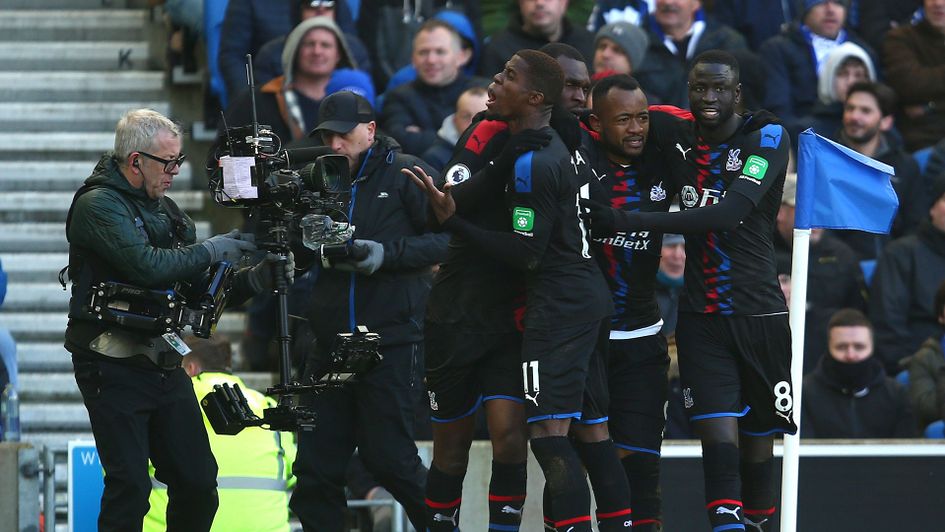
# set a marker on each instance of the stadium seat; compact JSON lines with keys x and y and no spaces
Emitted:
{"x":922,"y":157}
{"x":903,"y":378}
{"x":935,"y":430}
{"x":868,"y":267}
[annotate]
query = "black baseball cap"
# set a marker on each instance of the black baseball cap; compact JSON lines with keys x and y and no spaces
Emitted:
{"x":342,"y":111}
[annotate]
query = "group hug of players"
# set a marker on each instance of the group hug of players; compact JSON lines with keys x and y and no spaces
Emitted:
{"x":545,"y":315}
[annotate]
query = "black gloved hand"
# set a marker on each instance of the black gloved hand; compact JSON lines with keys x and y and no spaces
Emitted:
{"x":525,"y":141}
{"x":261,"y":275}
{"x":228,"y":246}
{"x":567,"y":126}
{"x":600,"y":218}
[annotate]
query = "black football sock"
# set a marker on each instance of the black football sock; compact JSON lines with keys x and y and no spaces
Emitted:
{"x":547,"y":512}
{"x":444,"y":496}
{"x":564,"y":478}
{"x":643,"y":473}
{"x":758,"y":494}
{"x":506,"y":496}
{"x":611,"y":491}
{"x":722,"y":486}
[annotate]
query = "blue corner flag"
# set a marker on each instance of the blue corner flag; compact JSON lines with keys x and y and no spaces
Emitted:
{"x":838,"y":188}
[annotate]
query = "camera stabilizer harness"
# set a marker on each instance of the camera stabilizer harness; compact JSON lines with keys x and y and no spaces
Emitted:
{"x":256,"y":173}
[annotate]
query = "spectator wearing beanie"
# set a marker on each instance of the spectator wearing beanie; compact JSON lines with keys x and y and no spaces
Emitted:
{"x":845,"y":65}
{"x":267,"y":64}
{"x":620,"y":47}
{"x":289,"y":103}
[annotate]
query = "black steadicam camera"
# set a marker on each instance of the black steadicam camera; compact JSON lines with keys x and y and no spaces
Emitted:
{"x":301,"y":190}
{"x":161,"y":311}
{"x":353,"y":354}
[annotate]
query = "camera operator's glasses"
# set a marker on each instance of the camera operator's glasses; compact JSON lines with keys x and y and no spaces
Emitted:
{"x":169,"y":164}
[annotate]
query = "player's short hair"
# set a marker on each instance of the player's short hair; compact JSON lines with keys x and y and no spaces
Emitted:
{"x":618,"y":81}
{"x":939,"y":301}
{"x":885,"y":96}
{"x":719,"y":57}
{"x":849,"y":317}
{"x":213,"y":354}
{"x":559,"y":49}
{"x":137,"y":128}
{"x":544,"y":74}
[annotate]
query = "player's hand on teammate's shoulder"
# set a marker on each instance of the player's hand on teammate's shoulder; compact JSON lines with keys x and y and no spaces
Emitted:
{"x":519,"y":143}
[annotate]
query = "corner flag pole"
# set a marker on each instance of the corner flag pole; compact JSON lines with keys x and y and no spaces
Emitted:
{"x":792,"y":444}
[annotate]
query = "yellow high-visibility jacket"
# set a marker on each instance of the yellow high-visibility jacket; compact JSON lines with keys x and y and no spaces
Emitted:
{"x":255,"y":471}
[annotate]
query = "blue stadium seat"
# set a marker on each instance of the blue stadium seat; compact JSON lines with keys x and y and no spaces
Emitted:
{"x":922,"y":157}
{"x":903,"y":378}
{"x":213,"y":14}
{"x":868,"y":267}
{"x":935,"y":430}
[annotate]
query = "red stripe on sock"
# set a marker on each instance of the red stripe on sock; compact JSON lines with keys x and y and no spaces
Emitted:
{"x":638,"y":522}
{"x":769,"y":511}
{"x":566,"y":522}
{"x":506,"y":498}
{"x":441,"y":505}
{"x":618,"y":513}
{"x":720,"y":502}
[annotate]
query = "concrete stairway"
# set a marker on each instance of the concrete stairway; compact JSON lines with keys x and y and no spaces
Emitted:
{"x":68,"y":70}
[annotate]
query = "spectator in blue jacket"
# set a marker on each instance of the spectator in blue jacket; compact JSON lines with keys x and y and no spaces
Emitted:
{"x":794,"y":59}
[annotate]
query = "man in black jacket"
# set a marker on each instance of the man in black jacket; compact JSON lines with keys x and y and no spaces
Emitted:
{"x":534,"y":24}
{"x":386,"y":290}
{"x":413,"y":112}
{"x":849,"y":395}
{"x":907,"y":274}
{"x":680,"y":33}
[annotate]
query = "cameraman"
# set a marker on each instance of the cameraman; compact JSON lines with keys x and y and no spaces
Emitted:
{"x":384,"y":288}
{"x":141,"y":403}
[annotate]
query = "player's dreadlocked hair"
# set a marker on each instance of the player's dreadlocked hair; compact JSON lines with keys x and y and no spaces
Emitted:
{"x":544,"y":74}
{"x":718,"y":57}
